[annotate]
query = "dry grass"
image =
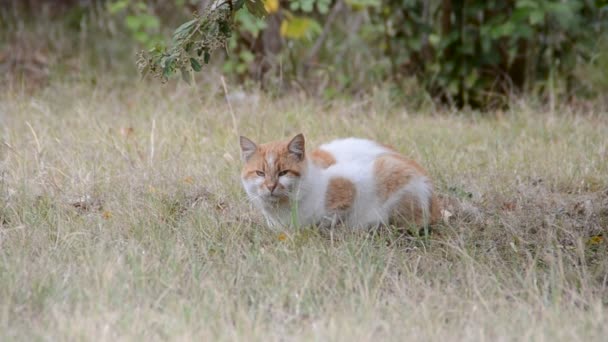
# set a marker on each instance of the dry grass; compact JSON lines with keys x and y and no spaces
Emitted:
{"x":122,"y":217}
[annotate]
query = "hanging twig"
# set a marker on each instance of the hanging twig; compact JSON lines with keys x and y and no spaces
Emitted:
{"x":319,"y":43}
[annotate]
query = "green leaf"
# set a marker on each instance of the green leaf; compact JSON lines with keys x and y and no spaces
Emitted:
{"x":323,"y":6}
{"x":228,"y":66}
{"x":565,"y":13}
{"x":133,"y":22}
{"x":224,"y":28}
{"x":523,"y":31}
{"x":167,"y":64}
{"x":362,"y":4}
{"x":196,"y":66}
{"x":503,"y":30}
{"x":248,"y":22}
{"x":303,"y":5}
{"x":206,"y":57}
{"x":536,"y":17}
{"x":414,"y":43}
{"x":299,"y":27}
{"x":256,"y":7}
{"x":184,"y":30}
{"x":520,"y":15}
{"x":241,"y":68}
{"x":117,"y":6}
{"x":526,"y":4}
{"x":453,"y":87}
{"x":469,"y":81}
{"x":246,"y":56}
{"x":149,"y":21}
{"x":238,"y":4}
{"x":141,"y":36}
{"x":307,"y":5}
{"x":486,"y":44}
{"x":186,"y":76}
{"x":434,"y":39}
{"x":188,"y":46}
{"x":166,"y":72}
{"x":141,"y":6}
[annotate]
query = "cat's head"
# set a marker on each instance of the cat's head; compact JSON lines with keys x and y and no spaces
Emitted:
{"x":272,"y":171}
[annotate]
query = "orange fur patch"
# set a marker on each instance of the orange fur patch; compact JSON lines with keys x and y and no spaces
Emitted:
{"x":322,"y":158}
{"x":408,"y":211}
{"x":435,"y":209}
{"x":393,"y":172}
{"x":340,"y":194}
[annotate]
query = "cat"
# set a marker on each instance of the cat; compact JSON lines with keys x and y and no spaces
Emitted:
{"x":355,"y":182}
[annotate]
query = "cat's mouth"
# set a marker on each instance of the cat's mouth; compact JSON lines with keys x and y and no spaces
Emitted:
{"x":276,"y":198}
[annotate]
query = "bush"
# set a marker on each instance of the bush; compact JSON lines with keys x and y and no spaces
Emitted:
{"x":475,"y":52}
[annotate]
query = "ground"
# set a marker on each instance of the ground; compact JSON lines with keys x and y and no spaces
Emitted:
{"x":122,"y":217}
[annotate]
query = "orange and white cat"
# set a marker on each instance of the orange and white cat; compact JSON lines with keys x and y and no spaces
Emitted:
{"x":356,"y":182}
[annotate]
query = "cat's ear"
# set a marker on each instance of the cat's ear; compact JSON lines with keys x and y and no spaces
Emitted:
{"x":296,"y":146}
{"x":248,"y":148}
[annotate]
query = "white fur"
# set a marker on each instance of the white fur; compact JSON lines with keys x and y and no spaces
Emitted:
{"x":354,"y":161}
{"x":270,"y":159}
{"x":354,"y":149}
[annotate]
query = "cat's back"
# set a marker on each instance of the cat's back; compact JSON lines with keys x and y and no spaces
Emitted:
{"x":354,"y":160}
{"x":385,"y":184}
{"x":354,"y":149}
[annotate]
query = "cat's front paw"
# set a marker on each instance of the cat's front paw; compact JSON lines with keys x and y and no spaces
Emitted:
{"x":330,"y":221}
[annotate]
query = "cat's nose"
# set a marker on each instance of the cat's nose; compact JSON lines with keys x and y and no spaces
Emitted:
{"x":271,"y":187}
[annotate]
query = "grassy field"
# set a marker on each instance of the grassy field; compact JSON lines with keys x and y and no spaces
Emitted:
{"x":122,"y":218}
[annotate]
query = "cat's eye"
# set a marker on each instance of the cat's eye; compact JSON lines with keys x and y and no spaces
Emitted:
{"x":260,"y":173}
{"x":283,"y":173}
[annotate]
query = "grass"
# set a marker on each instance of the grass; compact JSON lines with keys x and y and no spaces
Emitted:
{"x":122,"y":217}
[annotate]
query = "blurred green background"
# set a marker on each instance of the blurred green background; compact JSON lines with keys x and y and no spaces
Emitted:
{"x":476,"y":53}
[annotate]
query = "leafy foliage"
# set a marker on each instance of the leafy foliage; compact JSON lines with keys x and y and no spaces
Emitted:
{"x":474,"y":52}
{"x":462,"y":52}
{"x":299,"y":27}
{"x":194,"y":41}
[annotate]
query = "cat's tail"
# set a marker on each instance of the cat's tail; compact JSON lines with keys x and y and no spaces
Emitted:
{"x":435,"y":209}
{"x":430,"y":206}
{"x":419,"y":202}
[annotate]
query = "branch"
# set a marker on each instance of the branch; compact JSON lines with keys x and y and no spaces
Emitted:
{"x":194,"y":41}
{"x":319,"y":43}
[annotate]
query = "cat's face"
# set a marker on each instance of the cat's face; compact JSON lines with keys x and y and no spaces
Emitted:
{"x":272,"y":171}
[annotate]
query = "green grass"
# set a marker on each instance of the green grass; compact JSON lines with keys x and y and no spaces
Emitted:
{"x":110,"y":233}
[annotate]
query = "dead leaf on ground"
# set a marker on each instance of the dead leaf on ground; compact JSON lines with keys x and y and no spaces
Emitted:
{"x":537,"y":182}
{"x":87,"y":203}
{"x":201,"y":195}
{"x":596,"y":240}
{"x":127,"y":132}
{"x":228,"y":157}
{"x":445,"y":215}
{"x":584,"y":208}
{"x":509,"y":206}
